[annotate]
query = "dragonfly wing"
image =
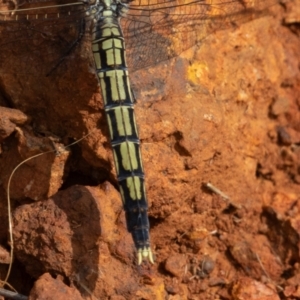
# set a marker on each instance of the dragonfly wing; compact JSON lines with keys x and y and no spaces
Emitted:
{"x":156,"y":32}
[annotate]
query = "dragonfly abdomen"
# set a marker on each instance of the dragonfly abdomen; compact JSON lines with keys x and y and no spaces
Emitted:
{"x":111,"y":68}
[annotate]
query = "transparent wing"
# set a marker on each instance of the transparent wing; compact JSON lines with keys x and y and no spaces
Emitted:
{"x":156,"y":30}
{"x":36,"y":36}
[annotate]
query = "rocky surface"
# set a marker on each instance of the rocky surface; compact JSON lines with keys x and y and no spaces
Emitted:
{"x":225,"y":112}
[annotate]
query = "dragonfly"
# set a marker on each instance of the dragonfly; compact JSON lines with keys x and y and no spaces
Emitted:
{"x":122,"y":36}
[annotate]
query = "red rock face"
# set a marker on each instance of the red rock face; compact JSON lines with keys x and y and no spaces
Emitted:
{"x":225,"y":112}
{"x":50,"y":288}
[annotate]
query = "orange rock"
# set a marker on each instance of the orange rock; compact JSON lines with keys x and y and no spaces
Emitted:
{"x":246,"y":288}
{"x":47,"y":287}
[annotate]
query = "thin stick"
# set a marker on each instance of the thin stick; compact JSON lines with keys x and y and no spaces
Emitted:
{"x":12,"y":295}
{"x":40,"y":7}
{"x":9,"y":285}
{"x":77,"y":279}
{"x":10,"y":229}
{"x":217,"y":191}
{"x":266,"y":273}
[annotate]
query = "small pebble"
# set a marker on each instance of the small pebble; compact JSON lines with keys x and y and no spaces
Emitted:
{"x":207,"y":265}
{"x":175,"y":265}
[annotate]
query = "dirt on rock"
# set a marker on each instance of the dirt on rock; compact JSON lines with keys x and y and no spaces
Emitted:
{"x":220,"y":138}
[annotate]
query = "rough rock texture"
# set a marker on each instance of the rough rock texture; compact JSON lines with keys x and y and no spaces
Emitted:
{"x":48,"y":288}
{"x":45,"y":172}
{"x":246,"y":288}
{"x":9,"y":119}
{"x":226,"y":113}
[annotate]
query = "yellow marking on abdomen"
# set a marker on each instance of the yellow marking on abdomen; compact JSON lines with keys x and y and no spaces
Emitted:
{"x":116,"y":84}
{"x":129,"y":159}
{"x":134,"y":187}
{"x":123,"y":121}
{"x":116,"y":162}
{"x":113,"y":57}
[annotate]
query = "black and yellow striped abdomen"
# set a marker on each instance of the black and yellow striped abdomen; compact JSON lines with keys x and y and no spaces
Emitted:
{"x":111,"y":68}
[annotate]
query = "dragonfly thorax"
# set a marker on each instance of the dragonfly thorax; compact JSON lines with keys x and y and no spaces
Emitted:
{"x":108,"y":8}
